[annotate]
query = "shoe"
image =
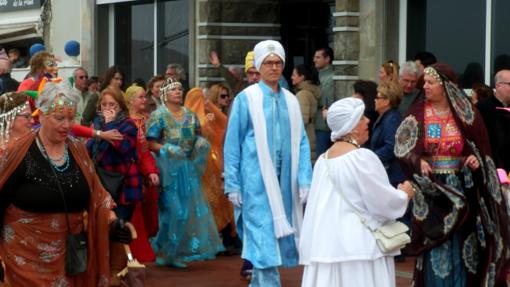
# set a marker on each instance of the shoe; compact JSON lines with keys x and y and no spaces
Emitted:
{"x":177,"y":264}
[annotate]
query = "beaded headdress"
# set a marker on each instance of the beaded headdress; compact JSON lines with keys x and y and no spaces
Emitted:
{"x":434,"y":74}
{"x":170,"y":84}
{"x":7,"y":117}
{"x":56,"y":97}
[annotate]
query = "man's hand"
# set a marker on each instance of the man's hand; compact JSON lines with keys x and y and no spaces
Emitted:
{"x":303,"y":195}
{"x":235,"y":199}
{"x":214,"y":59}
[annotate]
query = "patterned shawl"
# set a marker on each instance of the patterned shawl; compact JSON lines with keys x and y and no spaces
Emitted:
{"x":477,"y":213}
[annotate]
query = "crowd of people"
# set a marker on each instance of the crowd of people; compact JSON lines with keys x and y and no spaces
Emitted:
{"x":246,"y":167}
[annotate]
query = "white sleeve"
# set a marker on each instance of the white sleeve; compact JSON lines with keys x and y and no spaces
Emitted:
{"x":383,"y":201}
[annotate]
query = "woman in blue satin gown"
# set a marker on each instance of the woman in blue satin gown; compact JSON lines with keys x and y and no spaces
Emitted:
{"x":187,"y":231}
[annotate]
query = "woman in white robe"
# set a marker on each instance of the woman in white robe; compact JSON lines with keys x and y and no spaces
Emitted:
{"x":336,"y":248}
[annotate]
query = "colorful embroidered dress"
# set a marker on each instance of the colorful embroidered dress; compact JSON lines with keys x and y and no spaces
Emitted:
{"x":460,"y":222}
{"x":187,"y":230}
{"x":443,"y":142}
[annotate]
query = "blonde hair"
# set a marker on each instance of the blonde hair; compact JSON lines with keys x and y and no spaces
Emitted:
{"x":213,"y":93}
{"x":391,"y":91}
{"x":391,"y":68}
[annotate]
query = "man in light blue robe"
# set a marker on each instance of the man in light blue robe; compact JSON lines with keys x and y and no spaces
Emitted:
{"x":267,"y":168}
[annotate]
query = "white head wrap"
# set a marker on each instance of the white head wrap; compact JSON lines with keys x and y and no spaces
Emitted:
{"x":266,"y":48}
{"x":343,"y":116}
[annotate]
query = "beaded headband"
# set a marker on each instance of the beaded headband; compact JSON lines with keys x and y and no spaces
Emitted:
{"x":58,"y":105}
{"x":7,"y":118}
{"x":170,"y":84}
{"x":434,"y":74}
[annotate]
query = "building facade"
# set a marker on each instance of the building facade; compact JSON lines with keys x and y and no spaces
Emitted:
{"x":143,"y":36}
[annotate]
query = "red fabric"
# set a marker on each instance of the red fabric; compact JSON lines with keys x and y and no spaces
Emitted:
{"x":141,"y":247}
{"x":146,"y":162}
{"x":150,"y":210}
{"x":82,"y":131}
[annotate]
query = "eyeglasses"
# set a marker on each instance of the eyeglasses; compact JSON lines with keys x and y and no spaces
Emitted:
{"x":271,"y":64}
{"x":224,"y":96}
{"x":83,"y":77}
{"x":27,"y":116}
{"x":380,"y":98}
{"x":505,"y":83}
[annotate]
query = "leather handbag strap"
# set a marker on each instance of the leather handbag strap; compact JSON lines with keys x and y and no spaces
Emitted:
{"x":362,"y":219}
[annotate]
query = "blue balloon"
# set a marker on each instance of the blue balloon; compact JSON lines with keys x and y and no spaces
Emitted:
{"x":72,"y":48}
{"x":36,"y":48}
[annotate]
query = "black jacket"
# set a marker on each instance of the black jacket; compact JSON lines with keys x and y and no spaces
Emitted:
{"x":497,"y":122}
{"x":8,"y":84}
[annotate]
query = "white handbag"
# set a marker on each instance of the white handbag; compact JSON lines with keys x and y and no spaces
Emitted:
{"x":390,"y":237}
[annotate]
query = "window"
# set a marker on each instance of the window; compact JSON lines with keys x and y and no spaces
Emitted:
{"x":500,"y":41}
{"x":454,"y":31}
{"x":147,"y":39}
{"x":173,"y":34}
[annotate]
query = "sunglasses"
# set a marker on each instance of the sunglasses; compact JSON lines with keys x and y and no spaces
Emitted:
{"x":83,"y":77}
{"x":224,"y":96}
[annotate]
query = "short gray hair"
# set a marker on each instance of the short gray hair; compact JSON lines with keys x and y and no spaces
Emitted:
{"x":78,"y":69}
{"x":411,"y":68}
{"x":498,"y":77}
{"x":178,"y":69}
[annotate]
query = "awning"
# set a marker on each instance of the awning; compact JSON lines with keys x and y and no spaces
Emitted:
{"x":20,"y":25}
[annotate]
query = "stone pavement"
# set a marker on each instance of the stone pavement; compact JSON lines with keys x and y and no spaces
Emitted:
{"x":224,"y":272}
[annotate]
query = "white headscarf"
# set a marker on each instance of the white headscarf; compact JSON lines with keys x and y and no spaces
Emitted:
{"x":343,"y":116}
{"x":266,"y":48}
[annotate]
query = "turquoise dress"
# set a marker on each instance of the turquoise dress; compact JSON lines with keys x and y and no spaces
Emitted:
{"x":187,"y":231}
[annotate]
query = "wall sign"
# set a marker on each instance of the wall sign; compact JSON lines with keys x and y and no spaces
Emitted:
{"x":12,"y":5}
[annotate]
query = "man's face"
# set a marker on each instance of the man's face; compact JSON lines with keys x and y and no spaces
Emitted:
{"x":13,"y":56}
{"x":320,"y":60}
{"x":503,"y":87}
{"x":252,"y":75}
{"x":420,"y":65}
{"x":172,"y":73}
{"x":408,"y":82}
{"x":271,"y":69}
{"x":81,"y":80}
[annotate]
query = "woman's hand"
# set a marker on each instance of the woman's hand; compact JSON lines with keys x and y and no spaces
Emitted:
{"x":109,"y":115}
{"x":111,"y":135}
{"x":472,"y":162}
{"x":407,"y":187}
{"x":154,"y":179}
{"x":426,"y":170}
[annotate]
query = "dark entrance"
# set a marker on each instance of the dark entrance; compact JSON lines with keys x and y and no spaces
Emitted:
{"x":305,"y":27}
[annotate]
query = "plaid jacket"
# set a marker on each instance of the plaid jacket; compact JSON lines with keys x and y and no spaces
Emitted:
{"x":121,"y":156}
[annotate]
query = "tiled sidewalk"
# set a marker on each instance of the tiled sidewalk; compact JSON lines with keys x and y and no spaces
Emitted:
{"x":224,"y":272}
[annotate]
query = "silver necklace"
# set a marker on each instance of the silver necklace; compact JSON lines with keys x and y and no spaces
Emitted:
{"x":440,"y":113}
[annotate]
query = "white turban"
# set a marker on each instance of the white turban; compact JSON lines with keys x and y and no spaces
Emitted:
{"x":343,"y":116}
{"x":266,"y":48}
